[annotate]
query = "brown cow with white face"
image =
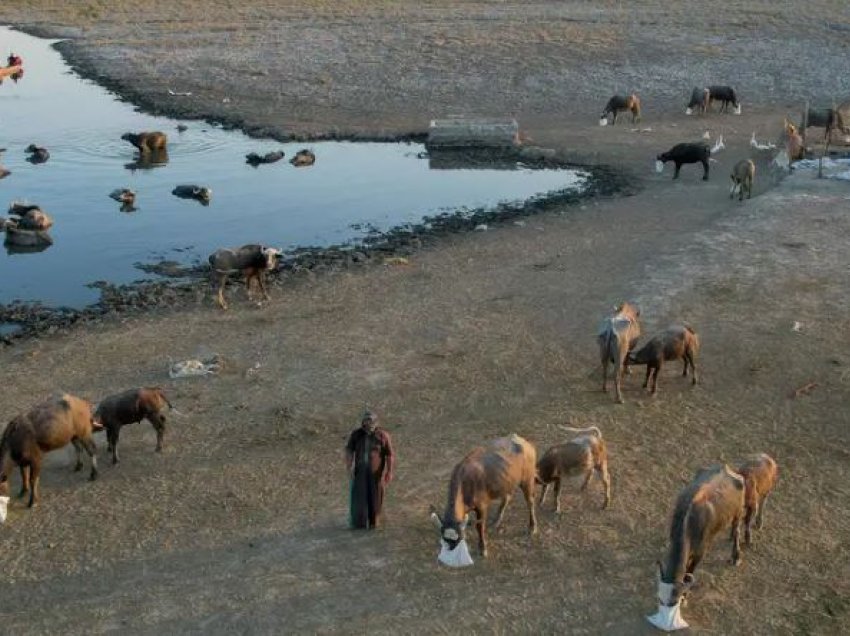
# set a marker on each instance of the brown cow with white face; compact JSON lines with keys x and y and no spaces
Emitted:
{"x":487,"y":474}
{"x":48,"y":426}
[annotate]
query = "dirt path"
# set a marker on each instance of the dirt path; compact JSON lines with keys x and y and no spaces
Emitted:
{"x":239,"y":525}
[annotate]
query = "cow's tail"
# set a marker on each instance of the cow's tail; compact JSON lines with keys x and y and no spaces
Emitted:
{"x":593,"y":430}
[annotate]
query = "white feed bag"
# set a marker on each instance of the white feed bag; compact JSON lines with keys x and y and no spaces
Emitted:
{"x":688,"y":111}
{"x":659,"y":167}
{"x":738,"y":110}
{"x":457,"y":558}
{"x":668,"y":619}
{"x":603,"y":121}
{"x":4,"y":505}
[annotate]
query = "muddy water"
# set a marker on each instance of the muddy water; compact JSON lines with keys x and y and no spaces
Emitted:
{"x":352,"y":186}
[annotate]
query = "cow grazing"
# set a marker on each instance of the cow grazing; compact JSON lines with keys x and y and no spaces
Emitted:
{"x":742,"y":177}
{"x":760,"y":473}
{"x":303,"y":158}
{"x":147,"y":142}
{"x":699,"y":100}
{"x":678,"y":342}
{"x":48,"y":426}
{"x":711,"y":503}
{"x":619,"y":104}
{"x":681,"y":154}
{"x":581,"y":456}
{"x":129,"y":407}
{"x":485,"y":475}
{"x":726,"y":95}
{"x":617,"y":336}
{"x":252,"y":260}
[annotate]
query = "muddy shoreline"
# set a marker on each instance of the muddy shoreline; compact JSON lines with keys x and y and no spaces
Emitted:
{"x":185,"y":286}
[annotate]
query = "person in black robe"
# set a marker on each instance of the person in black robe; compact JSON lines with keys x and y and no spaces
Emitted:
{"x":369,"y":459}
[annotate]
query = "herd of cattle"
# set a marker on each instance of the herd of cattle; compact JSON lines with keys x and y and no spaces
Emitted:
{"x":719,"y":498}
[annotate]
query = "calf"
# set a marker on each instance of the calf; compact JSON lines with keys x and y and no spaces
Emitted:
{"x":726,"y":95}
{"x":130,"y":407}
{"x":252,"y":260}
{"x":147,"y":141}
{"x":678,"y":342}
{"x":687,"y":153}
{"x":742,"y":179}
{"x":760,"y":473}
{"x":619,"y":104}
{"x":699,"y":100}
{"x":485,"y":475}
{"x":711,"y":503}
{"x":582,"y":456}
{"x":617,"y":336}
{"x":48,"y":426}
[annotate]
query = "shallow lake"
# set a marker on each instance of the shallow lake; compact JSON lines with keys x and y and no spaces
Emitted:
{"x":352,"y":186}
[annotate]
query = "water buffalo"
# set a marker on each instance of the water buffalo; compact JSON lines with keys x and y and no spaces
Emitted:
{"x":199,"y":193}
{"x":760,"y":474}
{"x":252,"y":260}
{"x":710,"y":504}
{"x":681,"y":154}
{"x":677,"y":342}
{"x":147,"y":142}
{"x":129,"y":407}
{"x":487,"y":474}
{"x":742,"y":177}
{"x":726,"y":95}
{"x":30,"y":217}
{"x":254,"y":159}
{"x":581,"y":456}
{"x":37,"y":154}
{"x":617,"y":336}
{"x":619,"y":104}
{"x":48,"y":426}
{"x":303,"y":158}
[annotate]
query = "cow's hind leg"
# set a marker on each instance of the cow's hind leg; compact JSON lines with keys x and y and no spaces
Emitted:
{"x":90,"y":447}
{"x":528,"y":492}
{"x":35,"y":478}
{"x":760,"y":516}
{"x":25,"y":481}
{"x":481,"y":527}
{"x":78,"y":446}
{"x":558,"y":495}
{"x":222,"y":281}
{"x":543,"y":491}
{"x":501,"y":514}
{"x":736,"y":541}
{"x":158,"y":422}
{"x":112,"y":435}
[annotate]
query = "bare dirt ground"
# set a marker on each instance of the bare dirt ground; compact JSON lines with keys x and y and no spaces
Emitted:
{"x":239,"y":526}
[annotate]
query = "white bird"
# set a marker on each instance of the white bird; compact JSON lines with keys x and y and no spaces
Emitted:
{"x":759,"y":146}
{"x":718,"y":146}
{"x":706,"y":135}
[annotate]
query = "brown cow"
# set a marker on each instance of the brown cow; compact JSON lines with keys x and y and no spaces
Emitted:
{"x":710,"y":504}
{"x":678,"y":342}
{"x":617,"y":336}
{"x":48,"y":426}
{"x":582,"y":456}
{"x":485,"y":475}
{"x":760,"y":474}
{"x":618,"y":104}
{"x":129,"y":407}
{"x":743,"y":175}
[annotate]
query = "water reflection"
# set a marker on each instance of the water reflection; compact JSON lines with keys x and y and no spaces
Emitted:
{"x":367,"y":185}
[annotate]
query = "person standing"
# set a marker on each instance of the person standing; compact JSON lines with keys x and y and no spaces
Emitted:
{"x":369,"y":460}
